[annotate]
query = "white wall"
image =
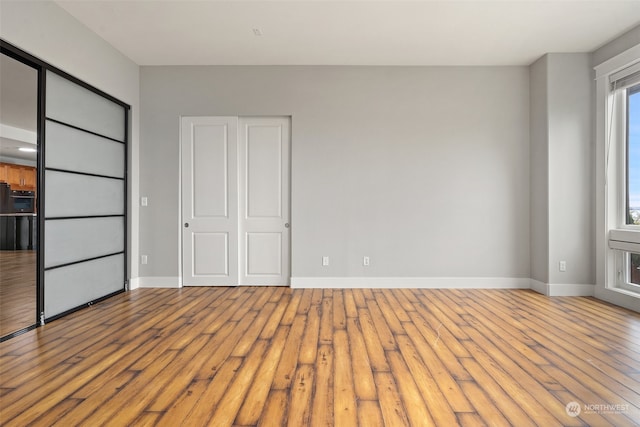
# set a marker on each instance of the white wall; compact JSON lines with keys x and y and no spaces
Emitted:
{"x":48,"y":32}
{"x":424,"y":170}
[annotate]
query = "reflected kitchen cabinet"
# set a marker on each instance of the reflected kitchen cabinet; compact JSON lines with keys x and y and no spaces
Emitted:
{"x":18,"y":177}
{"x":4,"y":172}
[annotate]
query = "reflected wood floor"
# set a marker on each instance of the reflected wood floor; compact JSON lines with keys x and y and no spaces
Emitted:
{"x":274,"y":356}
{"x":17,"y":290}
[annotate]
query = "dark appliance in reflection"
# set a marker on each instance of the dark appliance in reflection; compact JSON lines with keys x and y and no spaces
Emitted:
{"x":23,"y":201}
{"x":5,"y":199}
{"x":18,"y":223}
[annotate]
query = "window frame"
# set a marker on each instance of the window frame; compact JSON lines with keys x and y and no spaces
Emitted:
{"x":605,"y":185}
{"x":618,"y":178}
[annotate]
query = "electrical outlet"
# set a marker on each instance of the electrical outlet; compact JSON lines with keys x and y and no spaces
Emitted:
{"x":144,"y":201}
{"x":325,"y":261}
{"x":562,"y":266}
{"x":365,"y":261}
{"x":143,"y":259}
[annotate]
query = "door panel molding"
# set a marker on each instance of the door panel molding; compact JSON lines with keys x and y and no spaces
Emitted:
{"x":235,"y":183}
{"x":209,"y":185}
{"x":264,"y":150}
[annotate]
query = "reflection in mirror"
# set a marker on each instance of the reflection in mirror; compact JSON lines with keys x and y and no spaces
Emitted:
{"x":18,"y":195}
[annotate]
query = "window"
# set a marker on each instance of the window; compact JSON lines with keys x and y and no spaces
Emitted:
{"x":632,"y":189}
{"x":630,"y":264}
{"x":617,"y":179}
{"x":623,"y":178}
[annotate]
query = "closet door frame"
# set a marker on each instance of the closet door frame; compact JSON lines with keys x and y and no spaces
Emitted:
{"x":20,"y":56}
{"x":43,"y":68}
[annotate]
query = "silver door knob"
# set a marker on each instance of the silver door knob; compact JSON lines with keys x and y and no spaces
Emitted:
{"x":286,"y":225}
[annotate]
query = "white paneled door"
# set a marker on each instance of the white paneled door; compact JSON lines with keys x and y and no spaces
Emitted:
{"x":264,"y":200}
{"x":235,"y":200}
{"x":209,"y":201}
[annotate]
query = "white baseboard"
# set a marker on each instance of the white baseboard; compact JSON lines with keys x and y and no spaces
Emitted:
{"x":411,"y":282}
{"x":621,"y":297}
{"x":155,"y":282}
{"x":562,"y":289}
{"x":554,"y":289}
{"x":539,"y":287}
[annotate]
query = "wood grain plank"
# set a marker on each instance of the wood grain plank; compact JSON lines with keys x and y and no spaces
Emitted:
{"x":309,"y":345}
{"x":250,"y":411}
{"x":216,"y":388}
{"x":252,"y":333}
{"x":344,"y":399}
{"x":322,"y":406}
{"x":369,"y":413}
{"x":300,"y":397}
{"x":339,"y":315}
{"x":375,"y":350}
{"x":358,"y":298}
{"x":276,"y":317}
{"x":275,"y":410}
{"x":51,"y":417}
{"x":96,"y":396}
{"x":128,"y":403}
{"x":305,"y":301}
{"x":326,"y":321}
{"x":442,"y":341}
{"x":381,"y":326}
{"x":399,"y":304}
{"x":183,"y":404}
{"x":393,"y":412}
{"x":290,"y":354}
{"x":483,"y":404}
{"x":365,"y":387}
{"x":390,"y":313}
{"x":502,"y":401}
{"x":414,"y":342}
{"x":414,"y":404}
{"x":350,"y":307}
{"x":230,"y":403}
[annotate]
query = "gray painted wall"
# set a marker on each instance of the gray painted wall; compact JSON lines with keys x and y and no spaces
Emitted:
{"x":562,"y":169}
{"x":571,"y":203}
{"x":425,"y":170}
{"x":539,"y":166}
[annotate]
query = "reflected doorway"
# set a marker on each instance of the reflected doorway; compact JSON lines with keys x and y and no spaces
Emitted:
{"x":18,"y":195}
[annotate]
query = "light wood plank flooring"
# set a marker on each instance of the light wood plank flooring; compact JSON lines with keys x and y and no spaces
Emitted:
{"x":17,"y":290}
{"x":274,"y":356}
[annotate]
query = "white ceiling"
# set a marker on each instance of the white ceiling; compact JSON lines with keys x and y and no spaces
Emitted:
{"x":362,"y":32}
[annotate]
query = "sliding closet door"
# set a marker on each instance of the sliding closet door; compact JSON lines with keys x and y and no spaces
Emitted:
{"x":84,"y":200}
{"x":210,"y":201}
{"x":264,"y":200}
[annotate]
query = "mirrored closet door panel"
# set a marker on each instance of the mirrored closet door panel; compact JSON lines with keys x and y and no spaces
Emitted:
{"x":18,"y":195}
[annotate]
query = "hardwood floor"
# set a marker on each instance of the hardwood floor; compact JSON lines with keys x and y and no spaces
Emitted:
{"x":17,"y":290}
{"x":275,"y":356}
